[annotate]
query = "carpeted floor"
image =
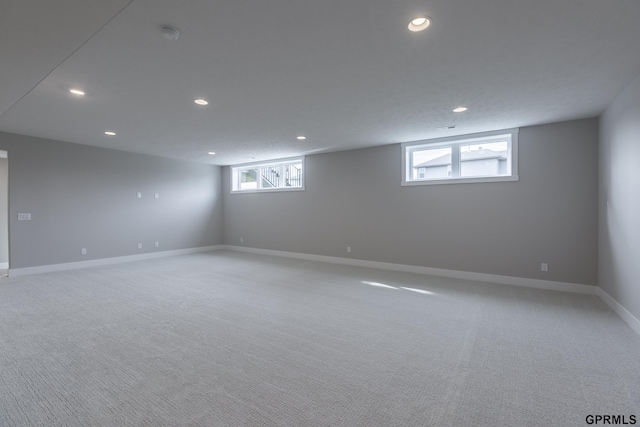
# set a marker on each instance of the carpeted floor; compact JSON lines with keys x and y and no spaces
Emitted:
{"x":230,"y":339}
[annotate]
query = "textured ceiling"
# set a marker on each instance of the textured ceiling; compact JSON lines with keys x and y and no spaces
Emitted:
{"x":344,"y":73}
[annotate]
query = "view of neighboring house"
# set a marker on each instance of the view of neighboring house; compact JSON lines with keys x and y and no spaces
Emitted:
{"x":481,"y":162}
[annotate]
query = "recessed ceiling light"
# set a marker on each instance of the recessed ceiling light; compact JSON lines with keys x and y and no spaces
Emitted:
{"x":419,"y":23}
{"x":76,"y":92}
{"x":109,"y":133}
{"x":169,"y":32}
{"x":212,"y":153}
{"x":301,"y":137}
{"x":200,"y":101}
{"x":459,"y":109}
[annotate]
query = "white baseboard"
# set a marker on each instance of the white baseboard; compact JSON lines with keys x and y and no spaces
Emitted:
{"x":13,"y":272}
{"x":4,"y":265}
{"x":464,"y":275}
{"x":629,"y":318}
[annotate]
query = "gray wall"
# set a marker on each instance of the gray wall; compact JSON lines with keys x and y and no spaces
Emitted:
{"x":619,"y":245}
{"x":85,"y":197}
{"x":354,"y":198}
{"x":4,"y":229}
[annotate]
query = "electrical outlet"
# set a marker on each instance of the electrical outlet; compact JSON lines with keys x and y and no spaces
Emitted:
{"x":242,"y":240}
{"x":348,"y":249}
{"x":83,"y":251}
{"x":157,"y":195}
{"x":157,"y":244}
{"x":139,"y":195}
{"x":544,"y":267}
{"x":139,"y":245}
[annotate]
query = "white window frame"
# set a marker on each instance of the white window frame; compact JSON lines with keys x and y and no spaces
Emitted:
{"x":454,"y":142}
{"x":236,"y":169}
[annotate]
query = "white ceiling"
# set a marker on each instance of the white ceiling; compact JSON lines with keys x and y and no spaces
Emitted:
{"x":344,"y":73}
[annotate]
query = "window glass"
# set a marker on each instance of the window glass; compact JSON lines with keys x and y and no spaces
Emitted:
{"x":433,"y":163}
{"x":273,"y":176}
{"x":470,"y":158}
{"x":248,"y":179}
{"x":484,"y":159}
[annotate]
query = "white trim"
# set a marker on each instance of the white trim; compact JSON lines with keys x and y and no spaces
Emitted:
{"x":462,"y":180}
{"x":13,"y":272}
{"x":455,"y":142}
{"x":273,"y":162}
{"x":267,"y":190}
{"x":4,"y":265}
{"x":465,"y":138}
{"x":629,"y":318}
{"x":626,"y":316}
{"x":233,"y":177}
{"x":464,"y":275}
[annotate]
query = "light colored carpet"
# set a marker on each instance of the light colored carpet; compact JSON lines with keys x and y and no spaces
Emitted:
{"x":229,"y":339}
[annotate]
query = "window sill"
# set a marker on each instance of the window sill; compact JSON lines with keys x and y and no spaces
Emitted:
{"x":270,"y":190}
{"x":461,"y":180}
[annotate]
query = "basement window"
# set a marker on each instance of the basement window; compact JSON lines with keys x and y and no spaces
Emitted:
{"x":277,"y":175}
{"x":486,"y":157}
